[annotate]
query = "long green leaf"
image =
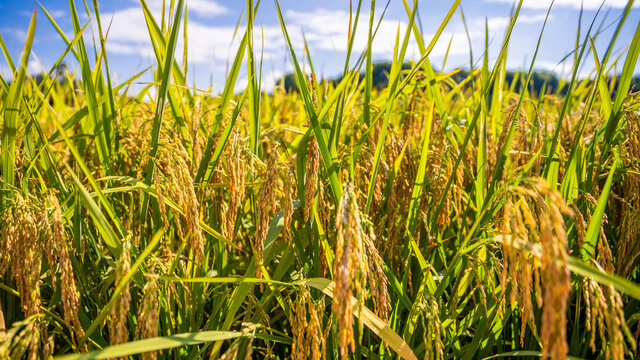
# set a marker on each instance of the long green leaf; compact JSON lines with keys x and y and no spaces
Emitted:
{"x":12,"y":109}
{"x":165,"y":70}
{"x":593,"y":231}
{"x":154,"y":344}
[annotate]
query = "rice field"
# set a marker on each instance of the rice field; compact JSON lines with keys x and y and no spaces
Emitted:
{"x":440,"y":217}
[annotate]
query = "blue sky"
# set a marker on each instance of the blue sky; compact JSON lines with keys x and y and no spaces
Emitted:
{"x":212,"y":22}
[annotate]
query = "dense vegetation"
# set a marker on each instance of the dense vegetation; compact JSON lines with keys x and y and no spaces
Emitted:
{"x":455,"y":215}
{"x":540,"y":81}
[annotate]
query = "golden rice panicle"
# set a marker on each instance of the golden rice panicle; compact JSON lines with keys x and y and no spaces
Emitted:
{"x":614,"y":321}
{"x":439,"y":168}
{"x":376,"y":278}
{"x":57,"y":246}
{"x":148,"y":315}
{"x":160,"y":195}
{"x":314,"y":99}
{"x":605,"y":256}
{"x":313,"y":166}
{"x":398,"y":200}
{"x":536,"y":222}
{"x":315,"y":341}
{"x":288,"y":194}
{"x":235,"y":183}
{"x":298,"y":319}
{"x":267,"y":201}
{"x":118,"y":330}
{"x":555,"y":271}
{"x":306,"y":327}
{"x":232,"y":352}
{"x":3,"y":328}
{"x":22,"y":340}
{"x":532,"y":221}
{"x":8,"y":236}
{"x":519,"y":267}
{"x":579,"y":223}
{"x":605,"y":315}
{"x":629,"y":248}
{"x":22,"y":253}
{"x":196,"y":115}
{"x":433,"y":332}
{"x":173,"y":160}
{"x":314,"y":93}
{"x":509,"y":118}
{"x":324,"y":212}
{"x":348,"y":269}
{"x":21,"y":256}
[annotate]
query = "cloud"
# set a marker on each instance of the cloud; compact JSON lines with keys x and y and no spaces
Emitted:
{"x":587,"y":4}
{"x":35,"y":68}
{"x":58,"y":13}
{"x":498,"y":23}
{"x":5,"y":72}
{"x":205,"y":8}
{"x":325,"y":31}
{"x":329,"y":30}
{"x":199,"y":8}
{"x":562,"y":69}
{"x":267,"y":81}
{"x":18,"y":34}
{"x":128,"y":34}
{"x":129,"y":49}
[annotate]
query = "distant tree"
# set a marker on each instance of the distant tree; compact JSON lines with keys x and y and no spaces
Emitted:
{"x":380,"y":79}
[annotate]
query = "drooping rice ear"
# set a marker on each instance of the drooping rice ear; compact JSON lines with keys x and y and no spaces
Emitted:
{"x":57,"y":247}
{"x":288,"y":195}
{"x":118,"y":330}
{"x":311,"y":181}
{"x":267,"y":201}
{"x":235,"y":183}
{"x":176,"y":183}
{"x":148,"y":315}
{"x":349,"y":270}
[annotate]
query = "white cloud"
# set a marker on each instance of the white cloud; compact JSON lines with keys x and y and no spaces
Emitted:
{"x":200,"y":8}
{"x":129,"y":35}
{"x":58,"y":13}
{"x":501,"y":22}
{"x":205,"y":8}
{"x":5,"y":72}
{"x":18,"y":34}
{"x":553,"y":66}
{"x":129,"y":49}
{"x":128,"y":26}
{"x":35,"y":68}
{"x":267,"y":81}
{"x":587,"y":4}
{"x":329,"y":30}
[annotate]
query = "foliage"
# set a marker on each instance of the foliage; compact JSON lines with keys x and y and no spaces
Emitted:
{"x":464,"y":215}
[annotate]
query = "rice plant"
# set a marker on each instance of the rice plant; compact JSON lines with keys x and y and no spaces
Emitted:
{"x":442,"y":216}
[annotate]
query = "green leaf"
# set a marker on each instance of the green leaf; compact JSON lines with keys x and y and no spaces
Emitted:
{"x":593,"y":231}
{"x":12,"y":109}
{"x":154,"y":344}
{"x":330,"y":167}
{"x":624,"y":286}
{"x":162,"y":96}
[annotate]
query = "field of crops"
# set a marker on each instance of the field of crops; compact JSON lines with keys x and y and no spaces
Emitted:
{"x":435,"y":218}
